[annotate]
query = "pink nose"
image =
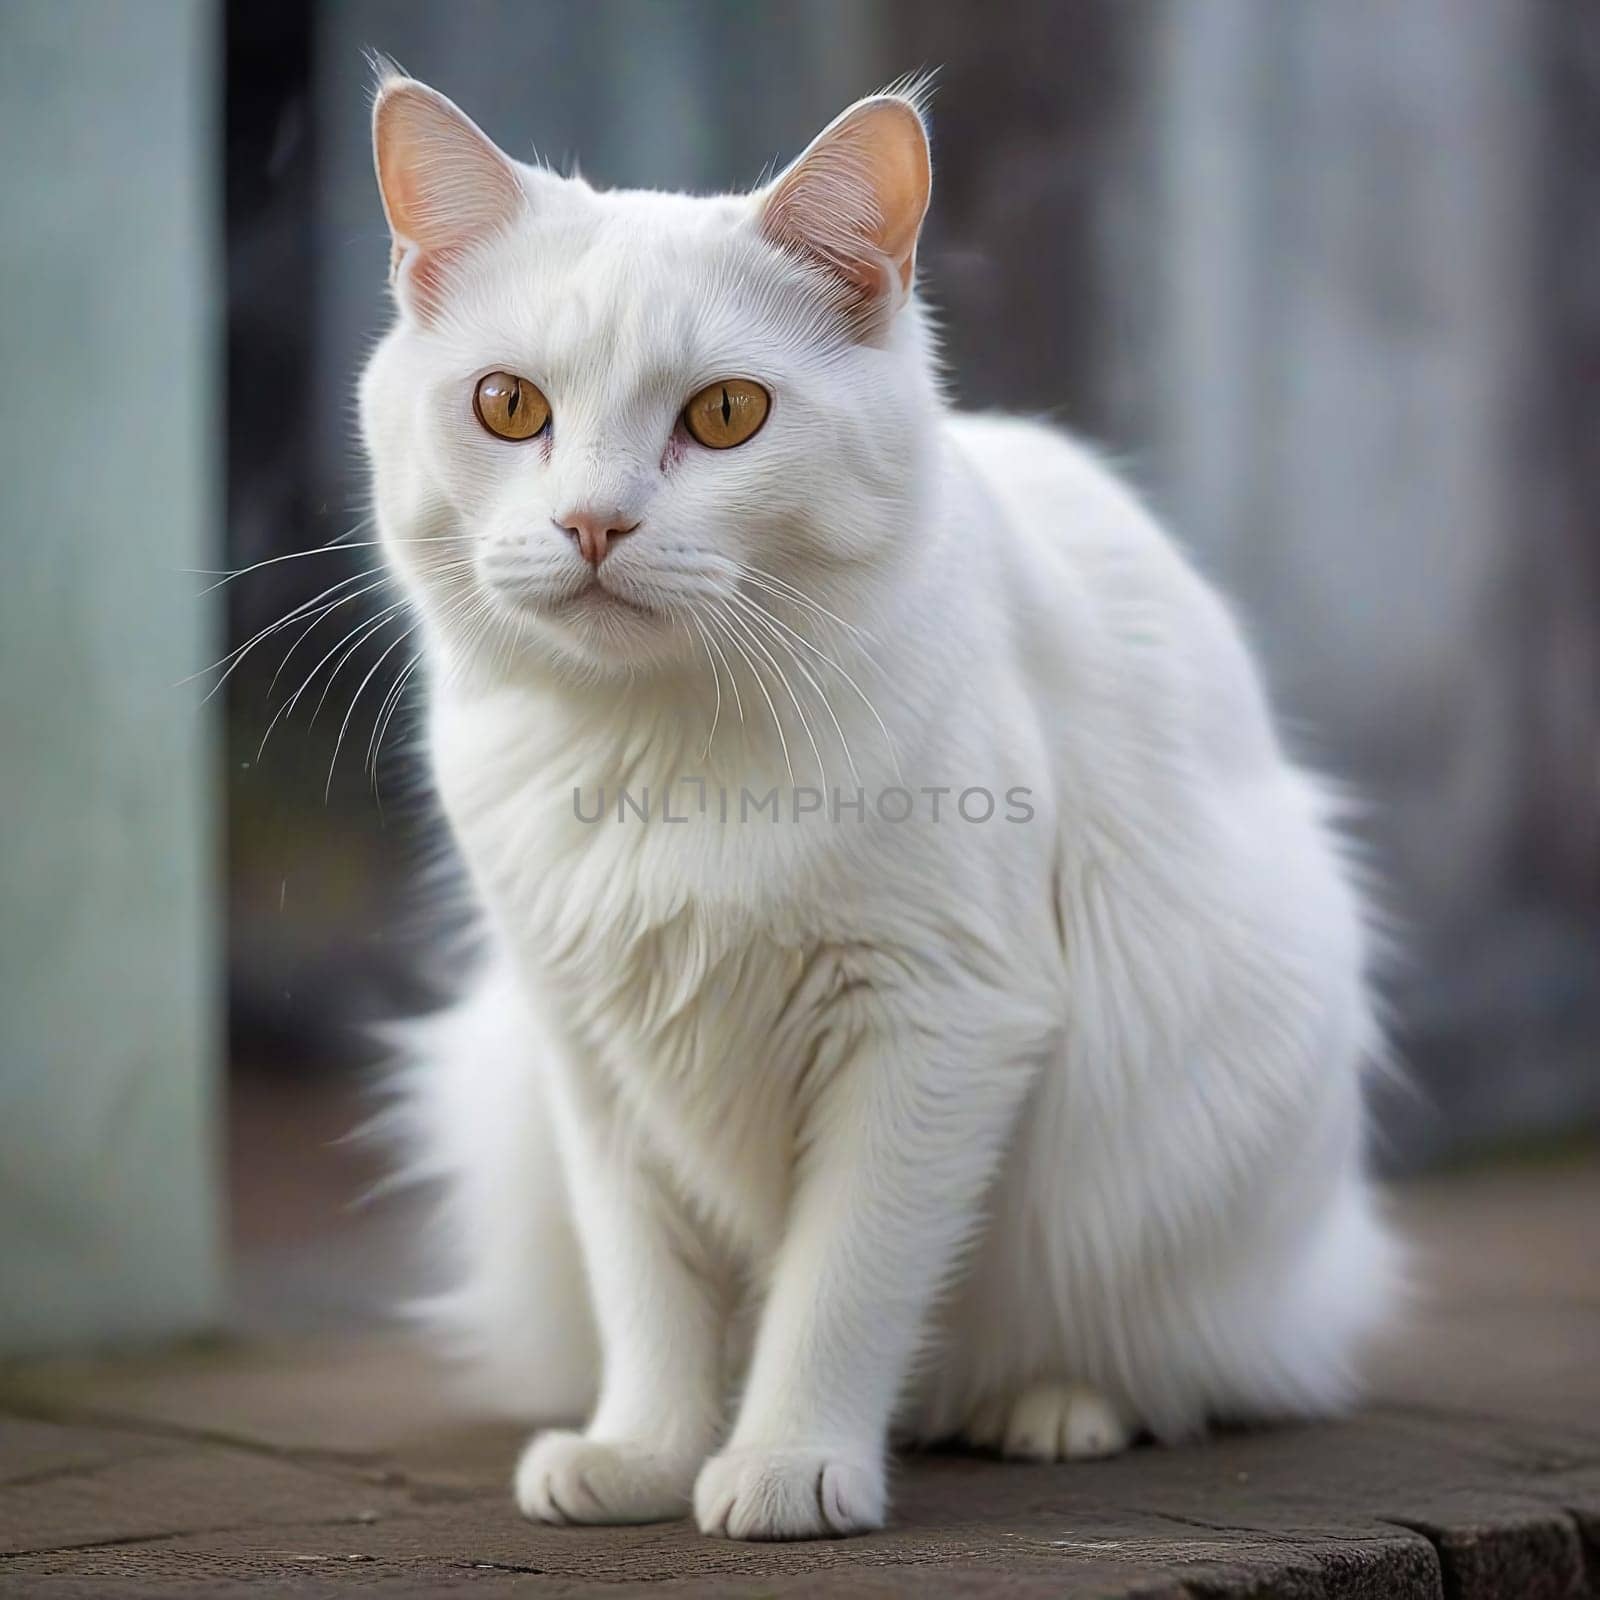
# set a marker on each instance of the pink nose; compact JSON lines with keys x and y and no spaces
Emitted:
{"x":593,"y":531}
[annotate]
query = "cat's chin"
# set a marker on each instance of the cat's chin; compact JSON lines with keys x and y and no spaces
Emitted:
{"x":599,"y":605}
{"x":597,"y":629}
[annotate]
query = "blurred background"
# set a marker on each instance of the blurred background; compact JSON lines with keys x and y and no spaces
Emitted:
{"x":1323,"y":278}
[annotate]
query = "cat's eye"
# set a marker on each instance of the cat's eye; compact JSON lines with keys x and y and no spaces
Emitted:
{"x":510,"y":407}
{"x":727,"y":412}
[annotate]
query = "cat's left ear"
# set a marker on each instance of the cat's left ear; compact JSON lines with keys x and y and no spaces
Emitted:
{"x":854,"y":203}
{"x":445,"y":185}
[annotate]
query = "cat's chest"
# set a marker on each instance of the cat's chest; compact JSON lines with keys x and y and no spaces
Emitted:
{"x":689,"y":1021}
{"x":672,"y":953}
{"x":617,"y":829}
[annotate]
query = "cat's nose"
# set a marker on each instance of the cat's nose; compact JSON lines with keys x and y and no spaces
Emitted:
{"x":593,"y":531}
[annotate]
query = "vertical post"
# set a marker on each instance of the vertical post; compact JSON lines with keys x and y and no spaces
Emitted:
{"x":109,"y":973}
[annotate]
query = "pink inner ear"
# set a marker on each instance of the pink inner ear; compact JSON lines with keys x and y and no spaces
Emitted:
{"x":444,"y":184}
{"x":856,"y":199}
{"x":903,"y":182}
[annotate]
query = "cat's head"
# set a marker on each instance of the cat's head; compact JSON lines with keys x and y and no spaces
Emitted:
{"x":604,"y":424}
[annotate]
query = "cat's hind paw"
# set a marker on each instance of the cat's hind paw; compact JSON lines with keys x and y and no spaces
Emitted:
{"x":564,"y":1477}
{"x":1052,"y":1422}
{"x":755,"y":1493}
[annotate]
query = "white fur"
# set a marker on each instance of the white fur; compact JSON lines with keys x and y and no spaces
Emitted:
{"x":1045,"y":1131}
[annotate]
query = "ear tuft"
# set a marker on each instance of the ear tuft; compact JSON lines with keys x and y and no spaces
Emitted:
{"x":384,"y":69}
{"x":445,"y":183}
{"x":855,"y":201}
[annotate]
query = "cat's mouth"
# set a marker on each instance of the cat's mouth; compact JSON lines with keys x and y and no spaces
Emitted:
{"x":596,"y":597}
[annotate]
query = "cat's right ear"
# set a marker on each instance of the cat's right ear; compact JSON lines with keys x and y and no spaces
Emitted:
{"x":445,"y":185}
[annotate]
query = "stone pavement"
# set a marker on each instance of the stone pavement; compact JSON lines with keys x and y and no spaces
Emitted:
{"x":335,"y":1463}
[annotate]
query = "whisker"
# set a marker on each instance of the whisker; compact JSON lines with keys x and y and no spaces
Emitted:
{"x":287,"y":707}
{"x":338,"y":743}
{"x":374,"y":625}
{"x":716,"y":678}
{"x":383,"y":618}
{"x":478,"y":621}
{"x":733,"y":681}
{"x":761,"y":614}
{"x":362,"y":630}
{"x":386,"y":710}
{"x":313,"y":625}
{"x":340,"y":541}
{"x":784,"y":590}
{"x":760,"y":682}
{"x":334,"y":548}
{"x":239,"y":652}
{"x":860,"y":693}
{"x":783,"y":678}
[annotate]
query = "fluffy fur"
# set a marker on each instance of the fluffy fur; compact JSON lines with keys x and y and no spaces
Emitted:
{"x":762,"y":1140}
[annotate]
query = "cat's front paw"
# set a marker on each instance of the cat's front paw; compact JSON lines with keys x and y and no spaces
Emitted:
{"x":564,"y":1477}
{"x":757,"y":1493}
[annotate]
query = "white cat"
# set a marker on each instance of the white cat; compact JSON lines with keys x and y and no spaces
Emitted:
{"x":804,"y":1119}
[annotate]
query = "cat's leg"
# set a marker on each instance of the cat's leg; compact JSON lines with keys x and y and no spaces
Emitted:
{"x":899,"y":1149}
{"x":1019,"y":1370}
{"x":1054,"y":1420}
{"x":1132,"y":1283}
{"x":660,"y":1305}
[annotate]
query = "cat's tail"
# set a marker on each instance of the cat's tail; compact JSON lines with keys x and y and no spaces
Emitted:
{"x":469,"y":1115}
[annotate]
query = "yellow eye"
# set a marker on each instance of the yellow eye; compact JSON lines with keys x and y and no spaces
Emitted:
{"x":510,"y":407}
{"x":727,"y":413}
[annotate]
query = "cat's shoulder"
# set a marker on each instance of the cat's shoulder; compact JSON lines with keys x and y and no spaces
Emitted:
{"x":1026,"y":443}
{"x":1057,"y":494}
